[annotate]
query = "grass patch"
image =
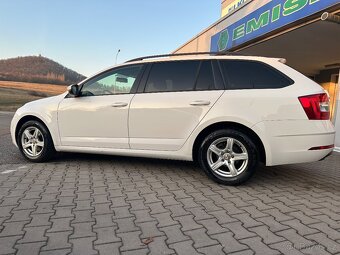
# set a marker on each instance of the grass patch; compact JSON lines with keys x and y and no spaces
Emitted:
{"x":15,"y":94}
{"x":48,"y":89}
{"x":12,"y":99}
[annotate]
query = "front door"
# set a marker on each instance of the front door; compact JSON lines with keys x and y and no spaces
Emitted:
{"x":98,"y":118}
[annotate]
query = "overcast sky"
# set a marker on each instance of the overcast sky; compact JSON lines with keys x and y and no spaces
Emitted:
{"x":85,"y":35}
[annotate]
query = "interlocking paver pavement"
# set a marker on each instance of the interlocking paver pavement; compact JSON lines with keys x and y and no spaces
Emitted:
{"x":112,"y":205}
{"x":90,"y":204}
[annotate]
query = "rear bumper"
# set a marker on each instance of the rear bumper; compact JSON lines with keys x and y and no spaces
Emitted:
{"x":288,"y":142}
{"x":326,"y":156}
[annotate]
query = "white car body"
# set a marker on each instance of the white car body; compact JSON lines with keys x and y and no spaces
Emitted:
{"x":166,"y":125}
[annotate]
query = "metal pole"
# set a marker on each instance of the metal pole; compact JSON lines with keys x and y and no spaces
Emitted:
{"x":117,"y":56}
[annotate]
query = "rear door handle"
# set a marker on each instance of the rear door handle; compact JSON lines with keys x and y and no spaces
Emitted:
{"x":119,"y":104}
{"x":200,"y":103}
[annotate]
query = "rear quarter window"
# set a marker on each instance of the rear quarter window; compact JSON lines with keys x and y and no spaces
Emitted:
{"x":244,"y":74}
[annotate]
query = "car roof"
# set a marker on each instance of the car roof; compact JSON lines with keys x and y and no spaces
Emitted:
{"x":196,"y":56}
{"x":175,"y":57}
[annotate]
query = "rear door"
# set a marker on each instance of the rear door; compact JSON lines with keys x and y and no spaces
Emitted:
{"x":175,"y":98}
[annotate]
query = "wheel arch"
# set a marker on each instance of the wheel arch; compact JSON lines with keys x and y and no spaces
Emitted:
{"x":26,"y":118}
{"x":229,"y":124}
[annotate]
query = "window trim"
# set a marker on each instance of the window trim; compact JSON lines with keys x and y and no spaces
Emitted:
{"x":217,"y":74}
{"x":226,"y":79}
{"x":144,"y":79}
{"x":199,"y":72}
{"x":133,"y":88}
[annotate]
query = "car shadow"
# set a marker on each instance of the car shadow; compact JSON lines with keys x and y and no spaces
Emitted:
{"x":299,"y":177}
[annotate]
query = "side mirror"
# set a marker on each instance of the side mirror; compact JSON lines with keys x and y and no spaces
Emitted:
{"x":73,"y":90}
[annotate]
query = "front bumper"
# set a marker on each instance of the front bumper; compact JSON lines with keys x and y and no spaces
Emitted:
{"x":14,"y":124}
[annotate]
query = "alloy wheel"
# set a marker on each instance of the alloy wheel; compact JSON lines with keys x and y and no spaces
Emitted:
{"x":32,"y":142}
{"x":227,"y":157}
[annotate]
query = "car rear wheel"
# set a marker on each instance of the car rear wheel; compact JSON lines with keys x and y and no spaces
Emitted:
{"x":228,"y":156}
{"x":35,"y":142}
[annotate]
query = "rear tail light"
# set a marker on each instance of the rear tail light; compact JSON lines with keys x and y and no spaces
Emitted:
{"x":316,"y":106}
{"x":322,"y":147}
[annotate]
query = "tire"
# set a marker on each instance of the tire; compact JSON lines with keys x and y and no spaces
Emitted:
{"x":34,"y":134}
{"x":231,"y":153}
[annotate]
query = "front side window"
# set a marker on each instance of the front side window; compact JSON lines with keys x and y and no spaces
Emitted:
{"x":240,"y":74}
{"x":172,"y":76}
{"x":117,"y":81}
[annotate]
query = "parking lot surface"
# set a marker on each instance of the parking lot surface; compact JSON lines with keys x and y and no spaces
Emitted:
{"x":90,"y":204}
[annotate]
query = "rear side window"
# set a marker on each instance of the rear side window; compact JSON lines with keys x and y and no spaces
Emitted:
{"x":240,"y":74}
{"x":172,"y":76}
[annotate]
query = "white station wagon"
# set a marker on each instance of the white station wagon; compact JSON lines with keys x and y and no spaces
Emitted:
{"x":227,"y":112}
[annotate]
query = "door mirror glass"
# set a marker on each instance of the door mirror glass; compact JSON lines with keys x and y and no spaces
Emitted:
{"x":73,"y":89}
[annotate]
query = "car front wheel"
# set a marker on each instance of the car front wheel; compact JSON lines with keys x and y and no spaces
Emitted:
{"x":228,"y":156}
{"x":35,"y":142}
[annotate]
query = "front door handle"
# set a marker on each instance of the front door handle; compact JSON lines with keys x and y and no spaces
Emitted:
{"x":200,"y":103}
{"x":119,"y":104}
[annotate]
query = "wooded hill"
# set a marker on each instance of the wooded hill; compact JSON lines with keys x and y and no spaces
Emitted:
{"x":37,"y":69}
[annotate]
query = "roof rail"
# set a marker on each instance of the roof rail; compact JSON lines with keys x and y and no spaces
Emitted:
{"x":185,"y":54}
